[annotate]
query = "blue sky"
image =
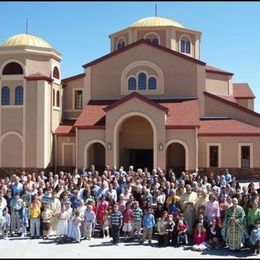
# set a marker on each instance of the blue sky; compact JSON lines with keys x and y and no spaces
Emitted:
{"x":79,"y":30}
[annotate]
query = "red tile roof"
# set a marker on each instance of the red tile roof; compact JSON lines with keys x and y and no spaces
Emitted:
{"x":147,"y":42}
{"x":242,"y":90}
{"x":92,"y":116}
{"x":229,"y":98}
{"x":184,"y":114}
{"x":217,"y":70}
{"x":66,"y":128}
{"x":38,"y":76}
{"x":181,"y":114}
{"x":135,"y":95}
{"x":227,"y":127}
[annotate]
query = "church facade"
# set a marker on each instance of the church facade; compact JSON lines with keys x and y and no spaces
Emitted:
{"x":151,"y":102}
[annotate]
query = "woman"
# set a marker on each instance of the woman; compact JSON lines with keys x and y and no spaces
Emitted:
{"x":233,"y":230}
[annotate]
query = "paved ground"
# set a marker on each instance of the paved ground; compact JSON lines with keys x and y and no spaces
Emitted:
{"x":103,"y":248}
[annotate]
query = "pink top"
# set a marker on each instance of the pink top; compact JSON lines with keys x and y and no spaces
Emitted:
{"x":212,"y":210}
{"x":127,"y":216}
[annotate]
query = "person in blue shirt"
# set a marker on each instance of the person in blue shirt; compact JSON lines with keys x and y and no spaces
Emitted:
{"x":148,"y":225}
{"x":228,"y":177}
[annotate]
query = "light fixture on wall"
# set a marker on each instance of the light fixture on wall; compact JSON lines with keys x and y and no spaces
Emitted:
{"x":109,"y":146}
{"x":160,"y":146}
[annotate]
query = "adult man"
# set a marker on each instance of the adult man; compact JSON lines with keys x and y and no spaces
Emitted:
{"x":187,"y":201}
{"x":233,"y":229}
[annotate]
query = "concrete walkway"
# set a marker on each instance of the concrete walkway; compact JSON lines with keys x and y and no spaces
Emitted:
{"x":103,"y":248}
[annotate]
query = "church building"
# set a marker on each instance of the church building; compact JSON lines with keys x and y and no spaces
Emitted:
{"x":151,"y":102}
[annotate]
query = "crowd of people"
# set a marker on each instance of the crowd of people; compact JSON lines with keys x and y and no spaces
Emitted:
{"x":205,"y":212}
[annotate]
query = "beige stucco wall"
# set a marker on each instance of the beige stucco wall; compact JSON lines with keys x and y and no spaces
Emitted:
{"x":247,"y":103}
{"x":217,"y":84}
{"x":12,"y":120}
{"x":180,"y":75}
{"x":229,"y":149}
{"x":11,"y":151}
{"x":86,"y":137}
{"x":229,"y":111}
{"x":31,"y":124}
{"x":68,"y":97}
{"x":61,"y":140}
{"x":187,"y":138}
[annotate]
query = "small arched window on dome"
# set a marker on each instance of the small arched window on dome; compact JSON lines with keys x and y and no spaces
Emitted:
{"x":185,"y":45}
{"x":155,"y":41}
{"x":142,"y":81}
{"x":5,"y":96}
{"x":13,"y":68}
{"x":19,"y":95}
{"x":121,"y":43}
{"x":56,"y":73}
{"x":152,"y":83}
{"x":58,"y":98}
{"x":131,"y":83}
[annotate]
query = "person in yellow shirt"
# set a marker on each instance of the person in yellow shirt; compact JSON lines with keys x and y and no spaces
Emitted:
{"x":34,"y":215}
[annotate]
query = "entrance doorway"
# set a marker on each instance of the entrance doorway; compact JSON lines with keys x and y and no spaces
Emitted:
{"x":141,"y":158}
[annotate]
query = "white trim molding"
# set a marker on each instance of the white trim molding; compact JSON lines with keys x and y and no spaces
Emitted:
{"x":251,"y":145}
{"x":219,"y":145}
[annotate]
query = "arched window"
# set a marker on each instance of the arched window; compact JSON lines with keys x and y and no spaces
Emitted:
{"x":155,"y":41}
{"x":185,"y":45}
{"x":152,"y":83}
{"x":141,"y":81}
{"x":5,"y":96}
{"x":53,"y":97}
{"x":58,"y":98}
{"x":12,"y":68}
{"x":19,"y":95}
{"x":132,"y":84}
{"x":121,"y":45}
{"x":56,"y":73}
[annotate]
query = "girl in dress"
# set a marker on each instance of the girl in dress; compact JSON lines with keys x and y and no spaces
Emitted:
{"x":62,"y":226}
{"x":106,"y":225}
{"x":75,"y":229}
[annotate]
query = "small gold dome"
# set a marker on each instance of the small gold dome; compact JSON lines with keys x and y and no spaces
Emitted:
{"x":25,"y":40}
{"x":155,"y":21}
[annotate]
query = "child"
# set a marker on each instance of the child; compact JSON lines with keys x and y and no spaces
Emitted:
{"x":148,"y":224}
{"x":127,"y":221}
{"x":25,"y":219}
{"x":255,"y":238}
{"x":116,"y":220}
{"x":6,"y":223}
{"x":89,"y":221}
{"x":46,"y":220}
{"x":199,"y":238}
{"x":170,"y":228}
{"x":182,"y":237}
{"x":62,"y":226}
{"x":106,"y":225}
{"x":75,"y":228}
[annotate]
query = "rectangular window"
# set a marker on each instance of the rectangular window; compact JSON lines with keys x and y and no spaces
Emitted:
{"x":213,"y":156}
{"x":245,"y":156}
{"x":78,"y":99}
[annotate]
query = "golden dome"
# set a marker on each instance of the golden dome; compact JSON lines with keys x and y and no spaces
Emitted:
{"x":25,"y":40}
{"x":155,"y":21}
